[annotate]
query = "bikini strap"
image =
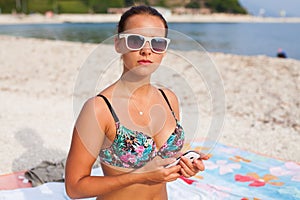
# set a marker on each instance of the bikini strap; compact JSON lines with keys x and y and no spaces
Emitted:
{"x":113,"y":113}
{"x":166,"y":98}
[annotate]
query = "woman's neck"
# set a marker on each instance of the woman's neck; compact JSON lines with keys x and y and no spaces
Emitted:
{"x":135,"y":84}
{"x":141,"y":87}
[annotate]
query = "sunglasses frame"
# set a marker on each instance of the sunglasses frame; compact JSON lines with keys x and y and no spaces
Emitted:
{"x":146,"y":39}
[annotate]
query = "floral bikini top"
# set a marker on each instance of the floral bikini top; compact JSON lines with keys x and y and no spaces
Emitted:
{"x":133,"y":149}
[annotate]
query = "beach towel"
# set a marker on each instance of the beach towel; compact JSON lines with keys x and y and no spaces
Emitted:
{"x":231,"y":173}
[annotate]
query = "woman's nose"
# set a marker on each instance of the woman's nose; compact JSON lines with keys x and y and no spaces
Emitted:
{"x":146,"y":50}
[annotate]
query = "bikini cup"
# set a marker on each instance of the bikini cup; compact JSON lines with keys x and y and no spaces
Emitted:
{"x":133,"y":149}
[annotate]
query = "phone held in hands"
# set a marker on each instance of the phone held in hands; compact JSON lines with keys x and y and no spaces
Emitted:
{"x":191,"y":155}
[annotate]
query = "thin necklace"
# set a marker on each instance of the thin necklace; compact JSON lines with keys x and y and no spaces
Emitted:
{"x":141,"y":113}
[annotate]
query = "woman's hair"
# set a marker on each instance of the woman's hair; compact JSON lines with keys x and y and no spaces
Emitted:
{"x":136,"y":10}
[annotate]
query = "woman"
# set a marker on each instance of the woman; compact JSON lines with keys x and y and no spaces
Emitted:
{"x":133,"y":162}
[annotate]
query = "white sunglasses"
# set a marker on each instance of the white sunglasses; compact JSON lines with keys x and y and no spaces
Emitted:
{"x":136,"y":42}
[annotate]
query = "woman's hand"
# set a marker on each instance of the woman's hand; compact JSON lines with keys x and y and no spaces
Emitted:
{"x":189,"y":169}
{"x":155,"y":172}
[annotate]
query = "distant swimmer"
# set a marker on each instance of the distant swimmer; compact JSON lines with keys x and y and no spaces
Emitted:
{"x":281,"y":53}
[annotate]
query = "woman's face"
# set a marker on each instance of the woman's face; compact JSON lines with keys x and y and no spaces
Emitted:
{"x":144,"y":61}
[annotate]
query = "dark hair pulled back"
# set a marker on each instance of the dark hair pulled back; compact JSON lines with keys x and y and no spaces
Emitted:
{"x":136,"y":10}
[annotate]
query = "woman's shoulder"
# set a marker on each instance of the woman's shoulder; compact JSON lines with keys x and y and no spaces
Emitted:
{"x":99,"y":98}
{"x":169,"y":93}
{"x":171,"y":96}
{"x":94,"y":105}
{"x":96,"y":108}
{"x":98,"y":103}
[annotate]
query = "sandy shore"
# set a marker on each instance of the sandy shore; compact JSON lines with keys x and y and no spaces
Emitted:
{"x":37,"y":83}
{"x":97,"y":18}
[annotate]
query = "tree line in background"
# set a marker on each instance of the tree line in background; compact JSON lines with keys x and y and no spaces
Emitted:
{"x":101,"y":6}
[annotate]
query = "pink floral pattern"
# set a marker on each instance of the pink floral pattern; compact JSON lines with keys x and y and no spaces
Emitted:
{"x":257,"y":181}
{"x":133,"y":149}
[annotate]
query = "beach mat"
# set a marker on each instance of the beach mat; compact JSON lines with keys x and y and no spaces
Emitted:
{"x":231,"y":173}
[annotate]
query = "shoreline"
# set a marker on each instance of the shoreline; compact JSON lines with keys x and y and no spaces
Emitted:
{"x":6,"y":19}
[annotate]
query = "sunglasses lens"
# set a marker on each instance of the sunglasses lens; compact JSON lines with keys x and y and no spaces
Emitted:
{"x":135,"y":42}
{"x":159,"y":44}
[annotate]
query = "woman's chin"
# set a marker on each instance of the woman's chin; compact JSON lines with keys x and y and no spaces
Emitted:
{"x":143,"y":70}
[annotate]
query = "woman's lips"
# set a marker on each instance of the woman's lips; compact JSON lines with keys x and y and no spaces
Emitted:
{"x":144,"y":62}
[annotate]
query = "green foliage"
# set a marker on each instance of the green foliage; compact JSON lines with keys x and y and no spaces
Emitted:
{"x":40,"y":6}
{"x":144,"y":2}
{"x":128,"y":3}
{"x":7,"y":5}
{"x":61,"y":6}
{"x":101,"y":6}
{"x":226,"y":6}
{"x":69,"y":6}
{"x":162,"y":3}
{"x":192,"y":4}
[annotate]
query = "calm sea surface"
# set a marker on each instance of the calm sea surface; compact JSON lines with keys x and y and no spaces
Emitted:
{"x":236,"y":38}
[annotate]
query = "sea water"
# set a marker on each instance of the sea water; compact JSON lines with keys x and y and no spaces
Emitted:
{"x":235,"y":38}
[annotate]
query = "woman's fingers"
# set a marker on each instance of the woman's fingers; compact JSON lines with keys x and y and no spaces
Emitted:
{"x":204,"y":156}
{"x":199,"y":164}
{"x":187,"y":167}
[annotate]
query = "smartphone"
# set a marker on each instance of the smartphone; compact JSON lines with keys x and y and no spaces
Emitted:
{"x":191,"y":155}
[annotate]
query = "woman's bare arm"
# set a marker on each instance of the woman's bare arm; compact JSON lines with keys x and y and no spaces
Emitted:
{"x":88,"y":136}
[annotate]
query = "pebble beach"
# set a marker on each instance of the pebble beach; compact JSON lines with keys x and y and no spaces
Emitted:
{"x":37,"y":84}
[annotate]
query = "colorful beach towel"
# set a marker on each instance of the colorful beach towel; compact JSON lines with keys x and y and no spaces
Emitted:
{"x":231,"y":173}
